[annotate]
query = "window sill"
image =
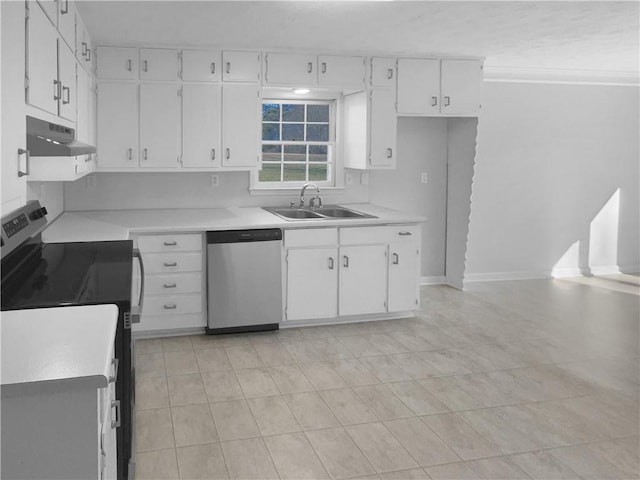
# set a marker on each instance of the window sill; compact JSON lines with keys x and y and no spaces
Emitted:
{"x":291,"y":190}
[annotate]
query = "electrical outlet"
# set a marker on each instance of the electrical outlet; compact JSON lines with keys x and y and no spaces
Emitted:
{"x":348,"y":179}
{"x":424,"y":177}
{"x":364,"y":178}
{"x":215,"y":180}
{"x":91,"y":182}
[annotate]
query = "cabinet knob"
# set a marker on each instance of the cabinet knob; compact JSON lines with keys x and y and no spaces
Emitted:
{"x":345,"y":261}
{"x":309,"y":67}
{"x":324,"y":67}
{"x":390,"y":73}
{"x":396,"y":258}
{"x":330,"y":263}
{"x":389,"y":152}
{"x":228,"y":153}
{"x":434,"y":101}
{"x":447,"y":101}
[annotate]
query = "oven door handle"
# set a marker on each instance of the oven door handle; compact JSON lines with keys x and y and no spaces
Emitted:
{"x":136,"y":311}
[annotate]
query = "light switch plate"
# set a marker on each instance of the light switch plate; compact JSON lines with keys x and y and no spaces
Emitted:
{"x":348,"y":179}
{"x":424,"y":177}
{"x":215,"y":180}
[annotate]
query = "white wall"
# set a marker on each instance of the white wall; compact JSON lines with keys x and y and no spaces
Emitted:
{"x":550,"y":159}
{"x":50,"y":195}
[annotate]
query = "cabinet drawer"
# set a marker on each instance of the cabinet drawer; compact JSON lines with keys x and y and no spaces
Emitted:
{"x":311,"y":237}
{"x":173,"y":304}
{"x":172,"y":284}
{"x":363,"y":235}
{"x":170,"y":243}
{"x":151,"y":323}
{"x":402,"y":233}
{"x":172,"y":262}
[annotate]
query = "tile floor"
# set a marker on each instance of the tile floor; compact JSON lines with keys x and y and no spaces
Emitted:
{"x":509,"y":380}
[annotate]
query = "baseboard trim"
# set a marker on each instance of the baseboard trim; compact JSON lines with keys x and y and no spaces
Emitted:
{"x":505,"y":276}
{"x":434,"y":280}
{"x":562,"y":272}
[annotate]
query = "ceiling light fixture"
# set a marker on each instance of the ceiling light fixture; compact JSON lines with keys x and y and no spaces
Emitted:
{"x":300,"y":91}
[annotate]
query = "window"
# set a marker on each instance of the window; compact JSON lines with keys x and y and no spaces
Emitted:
{"x":298,"y":143}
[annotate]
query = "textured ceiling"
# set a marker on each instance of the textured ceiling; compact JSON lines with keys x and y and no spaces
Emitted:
{"x":569,"y":35}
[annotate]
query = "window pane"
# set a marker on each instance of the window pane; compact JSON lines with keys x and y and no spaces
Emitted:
{"x":317,"y":172}
{"x":293,"y":113}
{"x":294,"y":131}
{"x":295,"y":153}
{"x":318,"y":133}
{"x":295,"y":173}
{"x":270,"y":112}
{"x":270,"y":131}
{"x":270,"y":172}
{"x":317,"y":113}
{"x":317,"y":153}
{"x":271,"y":153}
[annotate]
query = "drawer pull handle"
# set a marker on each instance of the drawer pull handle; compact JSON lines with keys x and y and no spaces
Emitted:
{"x":170,"y":244}
{"x":324,"y":67}
{"x":390,"y":73}
{"x":213,"y":68}
{"x":434,"y":101}
{"x":173,"y":306}
{"x":389,"y":152}
{"x":228,"y":67}
{"x":345,"y":261}
{"x":404,"y":234}
{"x":447,"y":101}
{"x":309,"y":67}
{"x":330,"y":263}
{"x":146,"y":66}
{"x":129,"y":65}
{"x":170,"y":264}
{"x":169,"y":285}
{"x":116,"y":363}
{"x":396,"y":258}
{"x":116,"y":404}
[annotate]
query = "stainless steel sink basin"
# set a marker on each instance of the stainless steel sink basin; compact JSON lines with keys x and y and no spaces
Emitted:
{"x":333,"y":212}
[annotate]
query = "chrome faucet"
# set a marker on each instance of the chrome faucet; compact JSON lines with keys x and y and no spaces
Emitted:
{"x":312,"y":185}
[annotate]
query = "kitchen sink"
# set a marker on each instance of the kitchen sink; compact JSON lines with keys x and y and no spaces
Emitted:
{"x":334,"y":212}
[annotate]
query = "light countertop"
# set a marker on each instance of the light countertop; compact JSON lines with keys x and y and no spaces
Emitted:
{"x":48,"y":349}
{"x":121,"y":224}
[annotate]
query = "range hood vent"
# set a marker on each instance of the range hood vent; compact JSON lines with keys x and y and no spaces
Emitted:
{"x":46,"y":139}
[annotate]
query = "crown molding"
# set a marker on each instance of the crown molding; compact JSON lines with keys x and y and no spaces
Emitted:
{"x":498,"y":73}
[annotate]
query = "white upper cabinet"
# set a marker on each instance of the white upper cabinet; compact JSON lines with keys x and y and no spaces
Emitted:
{"x":335,"y":70}
{"x":42,"y":62}
{"x":67,"y":79}
{"x":461,"y":84}
{"x":67,"y":22}
{"x":50,"y":8}
{"x":117,"y":63}
{"x":158,"y":64}
{"x":201,"y":126}
{"x":84,"y":45}
{"x":383,"y":72}
{"x":383,"y":127}
{"x":418,"y":86}
{"x":240,"y":66}
{"x":84,"y":126}
{"x":200,"y":66}
{"x":117,"y":126}
{"x":159,"y":126}
{"x":240,"y":111}
{"x":285,"y":69}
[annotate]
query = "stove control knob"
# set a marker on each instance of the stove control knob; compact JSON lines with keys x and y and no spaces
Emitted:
{"x":39,"y":213}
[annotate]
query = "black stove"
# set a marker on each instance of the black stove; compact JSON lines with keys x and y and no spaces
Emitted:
{"x":39,"y":275}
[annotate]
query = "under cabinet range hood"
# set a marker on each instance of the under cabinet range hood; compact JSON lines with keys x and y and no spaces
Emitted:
{"x":46,"y":139}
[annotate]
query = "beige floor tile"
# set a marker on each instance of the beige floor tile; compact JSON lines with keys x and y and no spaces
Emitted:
{"x":447,"y":362}
{"x":273,"y":354}
{"x":417,"y":398}
{"x":235,"y":339}
{"x":347,"y":407}
{"x":212,"y":359}
{"x":585,"y":461}
{"x":411,"y":341}
{"x":623,"y":453}
{"x":492,"y":427}
{"x":206,"y":341}
{"x":290,"y":379}
{"x":256,"y":382}
{"x":384,"y":368}
{"x":413,"y":474}
{"x":148,"y":345}
{"x":311,"y":411}
{"x":358,"y":346}
{"x":180,"y":362}
{"x":186,"y":390}
{"x":354,"y":373}
{"x":414,"y":366}
{"x":243,"y":356}
{"x":497,"y":468}
{"x":170,"y":344}
{"x":156,"y":465}
{"x":322,"y":375}
{"x":452,"y":471}
{"x":150,"y":365}
{"x":303,"y":350}
{"x":151,"y":393}
{"x":382,"y":450}
{"x":338,"y":453}
{"x":386,"y":343}
{"x":221,"y":386}
{"x":450,"y":394}
{"x":460,"y":437}
{"x":423,"y":445}
{"x":541,"y":465}
{"x":272,"y":415}
{"x":202,"y":462}
{"x":383,"y":402}
{"x":154,"y":430}
{"x":481,"y":388}
{"x":234,"y":420}
{"x":249,"y":459}
{"x":294,"y":457}
{"x":193,"y":425}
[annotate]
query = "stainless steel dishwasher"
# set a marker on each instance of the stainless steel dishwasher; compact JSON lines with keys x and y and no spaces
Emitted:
{"x":244,"y":280}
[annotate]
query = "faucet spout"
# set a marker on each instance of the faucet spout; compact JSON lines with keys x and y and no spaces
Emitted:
{"x":304,"y":187}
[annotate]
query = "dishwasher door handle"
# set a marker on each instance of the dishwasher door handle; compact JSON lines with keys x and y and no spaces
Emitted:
{"x":136,"y":311}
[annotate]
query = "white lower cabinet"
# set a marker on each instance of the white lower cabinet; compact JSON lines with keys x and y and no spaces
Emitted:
{"x":404,"y":269}
{"x":363,"y":279}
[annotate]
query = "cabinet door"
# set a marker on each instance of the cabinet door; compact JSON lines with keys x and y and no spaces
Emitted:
{"x":158,"y":64}
{"x":363,"y":279}
{"x":461,"y":83}
{"x":201,"y":126}
{"x":418,"y":86}
{"x":42,"y":61}
{"x":404,"y":271}
{"x":83,"y":45}
{"x":383,"y":125}
{"x":67,"y":22}
{"x":312,"y":283}
{"x":50,"y":8}
{"x":118,"y":125}
{"x":341,"y":71}
{"x":159,"y":126}
{"x":241,"y":66}
{"x":117,"y":63}
{"x":67,"y":78}
{"x":383,"y":72}
{"x":83,"y":122}
{"x":283,"y":69}
{"x":200,"y":66}
{"x":241,"y":113}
